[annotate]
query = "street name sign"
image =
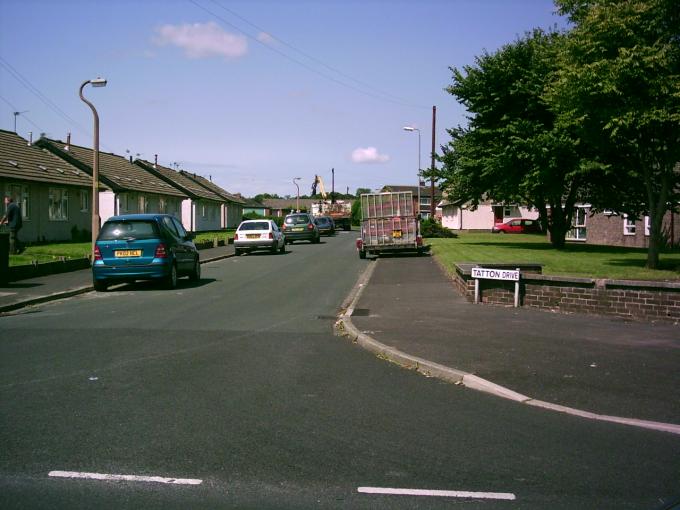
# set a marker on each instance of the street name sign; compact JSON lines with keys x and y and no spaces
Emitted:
{"x":496,"y":274}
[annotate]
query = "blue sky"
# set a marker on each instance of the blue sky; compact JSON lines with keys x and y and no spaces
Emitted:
{"x":314,"y":84}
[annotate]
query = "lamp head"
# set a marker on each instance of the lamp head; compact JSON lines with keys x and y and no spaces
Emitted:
{"x":98,"y":82}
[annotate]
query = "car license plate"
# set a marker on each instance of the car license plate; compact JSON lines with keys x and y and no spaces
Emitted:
{"x":128,"y":253}
{"x":396,"y":234}
{"x":298,"y":229}
{"x":253,"y":236}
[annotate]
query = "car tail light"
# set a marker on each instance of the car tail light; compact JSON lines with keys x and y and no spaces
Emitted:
{"x":271,"y":235}
{"x":310,"y":226}
{"x":97,"y":253}
{"x":161,"y":252}
{"x":235,"y":237}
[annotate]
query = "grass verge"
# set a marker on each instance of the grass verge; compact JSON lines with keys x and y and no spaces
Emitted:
{"x":581,"y":260}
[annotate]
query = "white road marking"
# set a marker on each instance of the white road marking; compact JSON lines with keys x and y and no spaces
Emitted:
{"x":439,"y":493}
{"x":126,"y":478}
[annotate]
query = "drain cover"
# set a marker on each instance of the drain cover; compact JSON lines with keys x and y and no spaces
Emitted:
{"x":360,"y":312}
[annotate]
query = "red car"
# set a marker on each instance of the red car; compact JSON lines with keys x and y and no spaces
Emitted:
{"x":517,"y":226}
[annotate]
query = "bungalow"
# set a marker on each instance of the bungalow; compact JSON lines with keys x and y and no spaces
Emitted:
{"x":279,"y":207}
{"x":131,"y":188}
{"x":54,"y":195}
{"x":202,"y":211}
{"x":253,"y":206}
{"x":425,"y":198}
{"x":613,"y":229}
{"x":458,"y":214}
{"x":232,"y":207}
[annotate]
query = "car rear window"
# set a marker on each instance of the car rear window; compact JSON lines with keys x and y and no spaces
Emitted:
{"x":257,"y":225}
{"x":297,"y":219}
{"x":323,"y":221}
{"x":139,"y":229}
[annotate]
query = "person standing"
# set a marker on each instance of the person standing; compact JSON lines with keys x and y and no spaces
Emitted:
{"x":12,"y":218}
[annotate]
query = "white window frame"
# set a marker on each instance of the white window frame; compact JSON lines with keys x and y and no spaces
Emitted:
{"x":629,"y":228}
{"x":143,"y":204}
{"x":648,"y":226}
{"x":57,"y":208}
{"x":162,"y":204}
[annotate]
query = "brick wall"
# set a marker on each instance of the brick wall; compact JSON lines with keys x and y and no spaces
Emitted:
{"x":621,"y":298}
{"x":608,"y":230}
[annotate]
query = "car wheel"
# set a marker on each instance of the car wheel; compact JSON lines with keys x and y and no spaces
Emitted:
{"x":283,"y":248}
{"x":171,"y":279}
{"x":317,"y":239}
{"x":100,"y":285}
{"x":196,"y":273}
{"x":274,"y":249}
{"x":237,"y":252}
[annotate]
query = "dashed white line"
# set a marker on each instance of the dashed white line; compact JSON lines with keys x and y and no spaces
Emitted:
{"x":437,"y":493}
{"x":126,"y":478}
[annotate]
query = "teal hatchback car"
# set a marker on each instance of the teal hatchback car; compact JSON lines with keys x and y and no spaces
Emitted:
{"x":144,"y":247}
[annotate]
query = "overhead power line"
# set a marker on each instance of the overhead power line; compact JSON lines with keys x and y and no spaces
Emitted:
{"x":378,"y":96}
{"x":15,"y":110}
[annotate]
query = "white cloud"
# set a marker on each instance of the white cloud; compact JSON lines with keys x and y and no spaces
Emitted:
{"x":368,"y":155}
{"x":202,"y":40}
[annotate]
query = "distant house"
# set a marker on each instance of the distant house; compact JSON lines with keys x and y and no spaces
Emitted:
{"x":131,"y":189}
{"x":425,"y":198}
{"x":281,"y":206}
{"x":458,"y":214}
{"x":202,"y":211}
{"x":54,"y":196}
{"x":616,"y":229}
{"x":253,"y":206}
{"x":232,"y":207}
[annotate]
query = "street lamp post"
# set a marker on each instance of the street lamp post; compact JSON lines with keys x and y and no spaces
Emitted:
{"x":98,"y":82}
{"x":298,"y":192}
{"x":410,"y":128}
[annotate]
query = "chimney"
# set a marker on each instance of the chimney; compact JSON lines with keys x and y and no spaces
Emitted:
{"x":210,"y":178}
{"x":30,"y":138}
{"x":155,"y":160}
{"x":130,"y":158}
{"x":68,"y":141}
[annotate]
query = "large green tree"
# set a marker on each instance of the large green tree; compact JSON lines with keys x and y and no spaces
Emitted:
{"x":513,"y":149}
{"x":618,"y":88}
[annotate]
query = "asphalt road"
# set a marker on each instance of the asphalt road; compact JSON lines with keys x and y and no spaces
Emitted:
{"x":238,"y":381}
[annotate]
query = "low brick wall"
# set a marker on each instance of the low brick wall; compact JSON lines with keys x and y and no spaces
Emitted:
{"x":646,"y":300}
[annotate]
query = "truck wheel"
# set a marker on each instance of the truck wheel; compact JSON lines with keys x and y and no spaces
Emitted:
{"x":362,"y":254}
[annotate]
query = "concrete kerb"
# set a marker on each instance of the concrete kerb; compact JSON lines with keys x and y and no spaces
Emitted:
{"x":344,"y":327}
{"x":73,"y":292}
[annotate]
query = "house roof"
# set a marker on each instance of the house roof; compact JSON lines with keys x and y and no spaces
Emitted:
{"x":212,"y":187}
{"x":19,"y":160}
{"x":115,"y":171}
{"x":176,"y":179}
{"x":253,"y":204}
{"x":424,"y":190}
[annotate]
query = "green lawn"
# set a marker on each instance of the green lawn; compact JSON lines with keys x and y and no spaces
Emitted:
{"x":575,"y":260}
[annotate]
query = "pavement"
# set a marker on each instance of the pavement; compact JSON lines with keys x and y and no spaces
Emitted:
{"x":406,"y":310}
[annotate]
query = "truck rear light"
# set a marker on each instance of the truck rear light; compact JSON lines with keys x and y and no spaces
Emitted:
{"x":161,"y":252}
{"x":419,"y":240}
{"x":97,"y":253}
{"x":360,"y":244}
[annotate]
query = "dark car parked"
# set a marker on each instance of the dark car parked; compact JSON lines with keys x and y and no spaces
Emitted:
{"x":144,"y":247}
{"x":300,"y":227}
{"x":325,"y":225}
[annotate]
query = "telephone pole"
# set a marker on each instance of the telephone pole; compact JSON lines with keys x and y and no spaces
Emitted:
{"x":432,"y":204}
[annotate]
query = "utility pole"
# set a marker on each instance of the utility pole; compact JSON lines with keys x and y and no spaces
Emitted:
{"x":432,"y":204}
{"x":332,"y":185}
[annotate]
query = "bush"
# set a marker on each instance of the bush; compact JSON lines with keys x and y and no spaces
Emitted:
{"x":432,"y":228}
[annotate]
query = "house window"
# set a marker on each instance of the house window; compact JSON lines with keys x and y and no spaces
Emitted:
{"x":203,"y":215}
{"x":84,"y":200}
{"x":628,"y":226}
{"x":647,"y":226}
{"x":58,"y":204}
{"x":21,"y":197}
{"x":143,"y":204}
{"x":507,"y":212}
{"x":162,"y":204}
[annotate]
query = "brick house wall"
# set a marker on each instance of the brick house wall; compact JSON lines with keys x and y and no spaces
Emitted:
{"x":608,"y":230}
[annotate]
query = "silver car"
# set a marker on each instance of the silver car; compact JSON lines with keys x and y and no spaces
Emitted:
{"x":259,"y":235}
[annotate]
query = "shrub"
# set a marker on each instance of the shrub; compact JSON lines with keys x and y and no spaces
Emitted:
{"x":432,"y":228}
